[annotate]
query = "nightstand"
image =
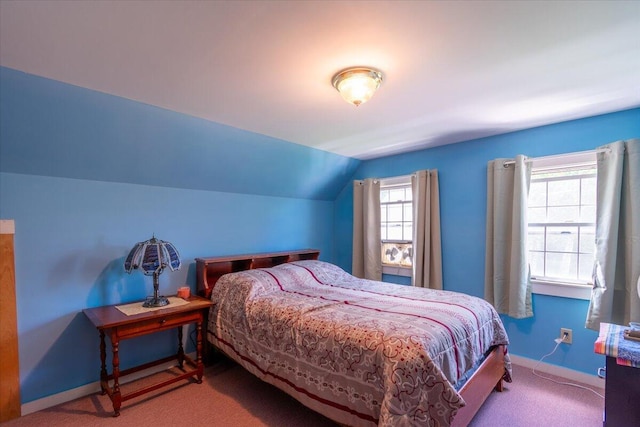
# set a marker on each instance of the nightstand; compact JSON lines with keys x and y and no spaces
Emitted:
{"x":622,"y":379}
{"x":112,"y":322}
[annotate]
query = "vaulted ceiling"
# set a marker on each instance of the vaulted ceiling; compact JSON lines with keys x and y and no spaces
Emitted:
{"x":453,"y":71}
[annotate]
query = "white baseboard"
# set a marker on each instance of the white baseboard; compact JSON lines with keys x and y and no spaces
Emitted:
{"x":569,"y":374}
{"x":85,"y":390}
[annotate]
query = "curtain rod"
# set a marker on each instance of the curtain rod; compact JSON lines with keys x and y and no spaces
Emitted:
{"x":390,"y":178}
{"x":391,"y":181}
{"x":559,"y":156}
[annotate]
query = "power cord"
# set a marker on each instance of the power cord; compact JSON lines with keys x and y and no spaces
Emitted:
{"x":533,"y":371}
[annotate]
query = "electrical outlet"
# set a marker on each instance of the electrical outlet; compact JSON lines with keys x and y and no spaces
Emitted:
{"x":566,"y":335}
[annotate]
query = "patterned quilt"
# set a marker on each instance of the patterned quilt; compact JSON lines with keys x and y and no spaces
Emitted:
{"x":360,"y":352}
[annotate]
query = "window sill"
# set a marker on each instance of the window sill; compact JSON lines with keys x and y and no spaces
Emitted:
{"x":397,"y":270}
{"x":565,"y":290}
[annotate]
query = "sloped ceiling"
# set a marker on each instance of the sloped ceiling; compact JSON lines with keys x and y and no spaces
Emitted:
{"x":453,"y":71}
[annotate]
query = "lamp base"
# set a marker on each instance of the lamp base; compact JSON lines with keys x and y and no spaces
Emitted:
{"x":155,"y":302}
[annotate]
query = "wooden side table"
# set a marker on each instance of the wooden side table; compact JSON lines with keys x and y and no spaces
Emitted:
{"x":118,"y":326}
{"x":622,"y":395}
{"x":622,"y":380}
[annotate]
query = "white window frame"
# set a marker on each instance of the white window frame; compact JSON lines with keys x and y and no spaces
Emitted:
{"x":550,"y":286}
{"x":396,"y":270}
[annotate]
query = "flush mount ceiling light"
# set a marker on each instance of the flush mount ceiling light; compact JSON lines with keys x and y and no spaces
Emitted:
{"x":357,"y":85}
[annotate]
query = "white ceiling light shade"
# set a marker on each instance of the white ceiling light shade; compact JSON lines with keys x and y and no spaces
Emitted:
{"x":357,"y":85}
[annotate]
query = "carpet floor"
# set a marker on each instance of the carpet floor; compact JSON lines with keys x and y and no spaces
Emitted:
{"x":230,"y":396}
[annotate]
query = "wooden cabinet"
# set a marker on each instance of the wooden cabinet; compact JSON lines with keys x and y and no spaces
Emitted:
{"x":9,"y":358}
{"x":622,"y":395}
{"x":622,"y":383}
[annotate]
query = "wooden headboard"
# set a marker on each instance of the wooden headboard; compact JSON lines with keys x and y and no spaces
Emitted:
{"x":209,"y":270}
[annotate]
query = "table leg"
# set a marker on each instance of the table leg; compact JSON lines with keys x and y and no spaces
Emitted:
{"x":116,"y":397}
{"x":199,"y":365}
{"x":103,"y":364}
{"x":180,"y":348}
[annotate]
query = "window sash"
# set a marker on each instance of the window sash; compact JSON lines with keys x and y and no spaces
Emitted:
{"x":575,"y":260}
{"x":396,"y":231}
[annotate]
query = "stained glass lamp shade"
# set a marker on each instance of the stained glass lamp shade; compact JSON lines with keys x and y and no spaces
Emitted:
{"x":152,"y":257}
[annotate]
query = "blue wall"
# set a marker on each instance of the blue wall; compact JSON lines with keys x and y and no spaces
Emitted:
{"x":462,"y":172}
{"x":86,"y":175}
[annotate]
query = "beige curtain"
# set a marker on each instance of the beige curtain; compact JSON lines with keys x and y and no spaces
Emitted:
{"x":616,"y":273}
{"x":367,"y":258}
{"x":507,"y":276}
{"x":427,"y":247}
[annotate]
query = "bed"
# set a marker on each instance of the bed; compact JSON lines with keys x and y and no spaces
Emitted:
{"x":361,"y":353}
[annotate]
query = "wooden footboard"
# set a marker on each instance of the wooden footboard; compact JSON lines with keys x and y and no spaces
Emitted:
{"x":476,"y":390}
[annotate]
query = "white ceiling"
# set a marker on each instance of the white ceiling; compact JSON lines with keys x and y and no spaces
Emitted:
{"x":453,"y":71}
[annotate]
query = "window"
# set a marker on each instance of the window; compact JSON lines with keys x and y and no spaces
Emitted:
{"x":561,"y":229}
{"x":396,"y":222}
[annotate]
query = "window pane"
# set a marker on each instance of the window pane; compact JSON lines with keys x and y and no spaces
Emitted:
{"x":588,"y":191}
{"x":394,"y":231}
{"x":588,"y":214}
{"x":407,"y":232}
{"x":384,"y":196}
{"x":538,"y":194}
{"x":394,"y":212}
{"x":561,"y":266}
{"x":408,"y":212}
{"x":408,"y":195}
{"x":587,"y":240}
{"x":586,"y":267}
{"x":565,"y":192}
{"x":396,"y":194}
{"x":562,"y":239}
{"x":383,"y":232}
{"x":537,"y":214}
{"x":563,"y":214}
{"x":383,"y":213}
{"x":536,"y":263}
{"x":536,"y":238}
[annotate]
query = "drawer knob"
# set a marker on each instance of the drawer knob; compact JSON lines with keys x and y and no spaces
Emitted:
{"x":163,"y":321}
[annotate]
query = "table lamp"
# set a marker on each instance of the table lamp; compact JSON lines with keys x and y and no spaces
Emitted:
{"x":152,"y":257}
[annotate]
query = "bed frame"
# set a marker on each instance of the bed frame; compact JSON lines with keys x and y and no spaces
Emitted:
{"x":475,"y":391}
{"x":209,"y":270}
